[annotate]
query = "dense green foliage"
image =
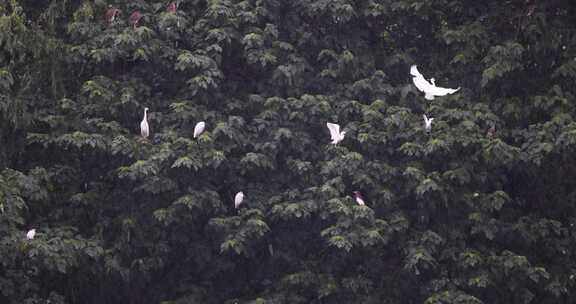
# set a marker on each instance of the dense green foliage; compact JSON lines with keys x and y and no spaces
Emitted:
{"x":454,"y":216}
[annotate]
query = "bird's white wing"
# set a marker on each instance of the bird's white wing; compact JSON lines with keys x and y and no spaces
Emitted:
{"x":238,"y":199}
{"x":438,"y":91}
{"x":414,"y":71}
{"x":199,"y":128}
{"x":419,"y":81}
{"x":334,"y":130}
{"x":427,"y":121}
{"x":422,"y":84}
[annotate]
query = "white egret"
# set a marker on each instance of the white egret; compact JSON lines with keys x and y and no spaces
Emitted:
{"x":31,"y":233}
{"x":199,"y":128}
{"x":429,"y":88}
{"x":427,"y":123}
{"x":144,"y":128}
{"x":335,"y":133}
{"x":238,"y":199}
{"x":359,"y":198}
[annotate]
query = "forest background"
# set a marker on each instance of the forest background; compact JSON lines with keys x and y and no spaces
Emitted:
{"x":454,"y":216}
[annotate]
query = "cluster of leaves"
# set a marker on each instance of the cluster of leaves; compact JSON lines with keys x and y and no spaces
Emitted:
{"x":454,"y":216}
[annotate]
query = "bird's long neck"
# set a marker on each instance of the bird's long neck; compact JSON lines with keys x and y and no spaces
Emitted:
{"x":145,"y":115}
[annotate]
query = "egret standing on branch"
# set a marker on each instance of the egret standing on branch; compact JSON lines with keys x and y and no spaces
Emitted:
{"x":359,"y":199}
{"x":430,"y":89}
{"x":335,"y":133}
{"x":144,"y":128}
{"x":238,"y":199}
{"x":199,"y":128}
{"x":31,"y":233}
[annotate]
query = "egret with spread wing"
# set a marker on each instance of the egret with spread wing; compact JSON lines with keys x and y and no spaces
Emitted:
{"x":335,"y":133}
{"x":427,"y":123}
{"x":429,"y":88}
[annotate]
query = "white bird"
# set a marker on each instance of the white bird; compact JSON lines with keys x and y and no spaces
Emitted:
{"x":429,"y":88}
{"x":31,"y":233}
{"x":199,"y":128}
{"x":359,"y":198}
{"x":144,"y":128}
{"x":335,"y":133}
{"x":238,"y":199}
{"x":427,"y":123}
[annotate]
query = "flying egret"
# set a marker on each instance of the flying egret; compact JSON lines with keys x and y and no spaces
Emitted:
{"x":429,"y":88}
{"x":111,"y":14}
{"x":135,"y":18}
{"x":31,"y":233}
{"x":144,"y":128}
{"x":427,"y":123}
{"x":335,"y":133}
{"x":199,"y":128}
{"x":238,"y":199}
{"x":359,"y":198}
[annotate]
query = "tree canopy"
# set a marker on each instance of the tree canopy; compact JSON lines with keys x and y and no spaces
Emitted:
{"x":479,"y":210}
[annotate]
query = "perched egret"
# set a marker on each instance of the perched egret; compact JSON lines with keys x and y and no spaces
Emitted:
{"x":430,"y":89}
{"x":111,"y":14}
{"x":335,"y":133}
{"x":31,"y":233}
{"x":359,"y":198}
{"x":427,"y":123}
{"x":135,"y":18}
{"x":238,"y":199}
{"x":144,"y":128}
{"x":199,"y":128}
